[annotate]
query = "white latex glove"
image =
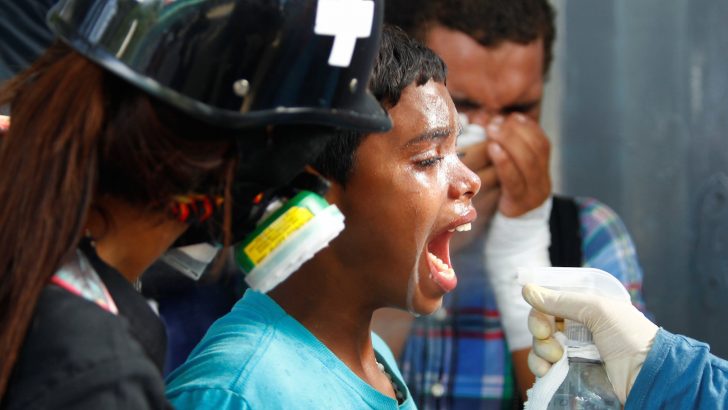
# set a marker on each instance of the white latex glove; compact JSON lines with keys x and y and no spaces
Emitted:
{"x":513,"y":243}
{"x":622,"y":334}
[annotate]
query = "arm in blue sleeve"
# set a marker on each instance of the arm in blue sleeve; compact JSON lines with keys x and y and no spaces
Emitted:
{"x":680,"y":373}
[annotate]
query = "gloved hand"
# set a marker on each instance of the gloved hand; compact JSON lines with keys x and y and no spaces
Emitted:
{"x":622,"y":334}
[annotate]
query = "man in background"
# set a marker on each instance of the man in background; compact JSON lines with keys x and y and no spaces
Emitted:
{"x":473,"y":353}
{"x":187,"y":306}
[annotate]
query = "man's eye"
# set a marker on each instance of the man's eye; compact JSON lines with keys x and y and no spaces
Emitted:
{"x":523,"y":109}
{"x":429,"y":162}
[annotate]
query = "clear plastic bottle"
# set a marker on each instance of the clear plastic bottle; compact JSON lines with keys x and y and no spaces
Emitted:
{"x":586,"y":385}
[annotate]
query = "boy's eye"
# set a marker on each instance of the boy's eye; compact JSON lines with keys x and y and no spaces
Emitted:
{"x":425,"y":163}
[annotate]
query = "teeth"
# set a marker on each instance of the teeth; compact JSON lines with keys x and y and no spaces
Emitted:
{"x":448,"y":273}
{"x":437,"y":261}
{"x":462,"y":228}
{"x":441,"y":266}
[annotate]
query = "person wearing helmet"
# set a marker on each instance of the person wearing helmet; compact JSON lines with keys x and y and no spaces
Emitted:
{"x":308,"y":343}
{"x":148,"y":124}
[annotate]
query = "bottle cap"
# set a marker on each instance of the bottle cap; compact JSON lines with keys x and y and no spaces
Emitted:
{"x":576,"y":331}
{"x":584,"y":280}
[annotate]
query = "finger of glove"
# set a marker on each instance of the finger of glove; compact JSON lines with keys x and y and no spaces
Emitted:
{"x":538,"y":366}
{"x":540,"y":324}
{"x":568,"y":305}
{"x":548,"y":349}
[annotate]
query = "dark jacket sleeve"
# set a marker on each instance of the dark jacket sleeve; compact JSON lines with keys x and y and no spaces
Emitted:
{"x":133,"y":384}
{"x":76,"y":355}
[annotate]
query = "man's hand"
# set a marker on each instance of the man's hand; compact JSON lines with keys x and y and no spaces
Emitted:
{"x":513,"y":166}
{"x":622,"y":334}
{"x":519,"y":151}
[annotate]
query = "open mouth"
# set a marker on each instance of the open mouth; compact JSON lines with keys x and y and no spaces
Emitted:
{"x":438,"y":258}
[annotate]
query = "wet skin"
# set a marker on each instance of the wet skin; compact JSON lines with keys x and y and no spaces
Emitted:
{"x":407,"y":188}
{"x":500,"y":88}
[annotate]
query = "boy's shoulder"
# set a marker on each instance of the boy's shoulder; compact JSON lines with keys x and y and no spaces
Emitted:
{"x":254,"y":354}
{"x":255,"y":358}
{"x":232,"y":346}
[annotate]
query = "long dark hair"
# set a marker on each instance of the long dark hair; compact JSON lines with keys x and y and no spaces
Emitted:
{"x":80,"y":133}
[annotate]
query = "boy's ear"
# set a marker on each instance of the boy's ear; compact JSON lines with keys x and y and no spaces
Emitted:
{"x":334,"y":194}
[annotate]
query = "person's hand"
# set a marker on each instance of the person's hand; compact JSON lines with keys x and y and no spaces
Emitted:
{"x":513,"y":167}
{"x":4,"y":124}
{"x":519,"y":151}
{"x":622,"y":334}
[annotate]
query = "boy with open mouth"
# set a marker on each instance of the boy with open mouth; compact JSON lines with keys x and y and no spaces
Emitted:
{"x":404,"y":194}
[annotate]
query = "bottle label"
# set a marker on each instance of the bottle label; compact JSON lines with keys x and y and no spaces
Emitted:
{"x":582,"y":350}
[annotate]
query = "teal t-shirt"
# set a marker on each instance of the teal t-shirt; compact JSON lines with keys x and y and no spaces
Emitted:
{"x":259,"y":357}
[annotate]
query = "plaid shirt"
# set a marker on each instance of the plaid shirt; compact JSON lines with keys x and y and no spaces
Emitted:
{"x":457,"y":358}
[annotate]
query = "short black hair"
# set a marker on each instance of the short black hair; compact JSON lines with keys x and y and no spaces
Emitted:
{"x":401,"y":61}
{"x":489,"y":22}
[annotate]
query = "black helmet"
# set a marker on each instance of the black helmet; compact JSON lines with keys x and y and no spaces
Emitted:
{"x":238,"y":63}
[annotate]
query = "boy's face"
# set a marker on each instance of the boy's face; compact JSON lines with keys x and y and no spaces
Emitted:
{"x":408,"y":190}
